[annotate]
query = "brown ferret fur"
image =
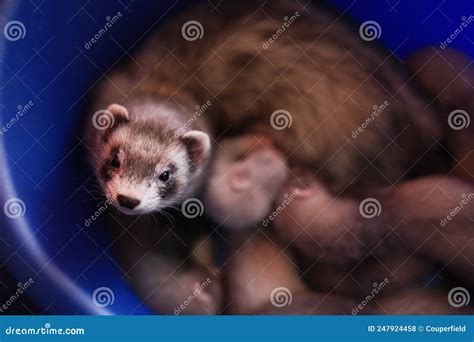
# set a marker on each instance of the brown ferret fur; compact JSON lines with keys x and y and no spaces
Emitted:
{"x":449,"y":76}
{"x":412,"y":219}
{"x":323,"y":77}
{"x":328,"y":79}
{"x":261,"y":278}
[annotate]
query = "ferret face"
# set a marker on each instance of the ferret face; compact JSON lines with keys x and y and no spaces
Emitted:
{"x":246,"y":175}
{"x":144,"y":167}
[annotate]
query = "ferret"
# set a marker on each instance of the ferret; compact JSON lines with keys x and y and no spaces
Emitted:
{"x":249,"y":206}
{"x":407,"y":272}
{"x":453,"y":88}
{"x":261,"y":279}
{"x":258,"y":265}
{"x":416,"y":217}
{"x":144,"y":162}
{"x":246,"y":175}
{"x":332,"y":228}
{"x":310,"y":92}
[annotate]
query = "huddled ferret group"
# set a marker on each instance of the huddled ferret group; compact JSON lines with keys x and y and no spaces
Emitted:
{"x":287,"y":200}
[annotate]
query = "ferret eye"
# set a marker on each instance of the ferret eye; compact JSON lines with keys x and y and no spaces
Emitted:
{"x":164,"y":176}
{"x":115,"y":162}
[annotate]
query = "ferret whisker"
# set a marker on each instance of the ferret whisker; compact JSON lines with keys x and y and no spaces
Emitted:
{"x":168,"y":216}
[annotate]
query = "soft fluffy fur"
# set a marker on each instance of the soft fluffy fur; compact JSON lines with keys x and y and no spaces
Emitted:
{"x":329,"y":91}
{"x":449,"y":76}
{"x":141,"y":143}
{"x":319,"y":70}
{"x":246,"y":175}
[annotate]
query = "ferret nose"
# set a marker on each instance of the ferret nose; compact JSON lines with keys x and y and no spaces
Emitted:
{"x":127,"y":202}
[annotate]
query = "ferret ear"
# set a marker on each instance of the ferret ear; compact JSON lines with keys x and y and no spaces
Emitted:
{"x":198,"y":146}
{"x":119,"y":112}
{"x":107,"y":121}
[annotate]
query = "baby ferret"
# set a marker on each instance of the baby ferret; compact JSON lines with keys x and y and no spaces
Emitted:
{"x":250,"y":205}
{"x":404,"y":270}
{"x":308,"y":92}
{"x":245,"y":176}
{"x":259,"y":266}
{"x":418,"y":216}
{"x":261,"y":278}
{"x":453,"y":88}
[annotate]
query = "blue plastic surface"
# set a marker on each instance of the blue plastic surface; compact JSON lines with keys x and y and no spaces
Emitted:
{"x":42,"y":161}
